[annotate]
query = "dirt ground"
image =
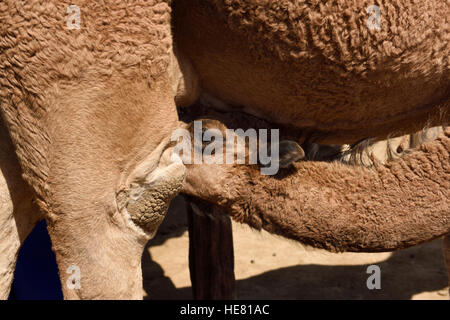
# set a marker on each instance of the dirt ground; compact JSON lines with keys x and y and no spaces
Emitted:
{"x":270,"y":267}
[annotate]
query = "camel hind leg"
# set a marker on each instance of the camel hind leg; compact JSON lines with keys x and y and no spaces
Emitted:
{"x":18,"y":213}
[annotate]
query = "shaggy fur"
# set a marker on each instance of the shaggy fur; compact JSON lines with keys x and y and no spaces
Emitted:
{"x":363,"y":152}
{"x":18,"y":212}
{"x":315,"y":64}
{"x":90,"y":113}
{"x":41,"y":60}
{"x":339,"y":207}
{"x":87,"y":109}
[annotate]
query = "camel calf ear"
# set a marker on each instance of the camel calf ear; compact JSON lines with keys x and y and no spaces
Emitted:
{"x":290,"y":152}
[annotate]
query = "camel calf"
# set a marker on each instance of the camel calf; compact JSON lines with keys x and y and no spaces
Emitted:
{"x":90,"y":112}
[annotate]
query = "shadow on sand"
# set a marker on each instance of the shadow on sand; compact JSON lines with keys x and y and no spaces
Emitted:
{"x":404,"y":274}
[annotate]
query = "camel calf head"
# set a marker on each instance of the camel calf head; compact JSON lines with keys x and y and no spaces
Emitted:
{"x":335,"y":206}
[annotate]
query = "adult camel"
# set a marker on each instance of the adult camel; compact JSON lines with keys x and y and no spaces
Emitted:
{"x":90,"y":112}
{"x":335,"y":80}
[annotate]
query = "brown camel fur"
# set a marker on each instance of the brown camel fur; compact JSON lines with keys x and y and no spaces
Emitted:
{"x":316,"y":65}
{"x":90,"y":112}
{"x":335,"y":206}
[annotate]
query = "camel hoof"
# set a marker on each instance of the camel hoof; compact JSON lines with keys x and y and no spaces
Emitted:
{"x":290,"y":152}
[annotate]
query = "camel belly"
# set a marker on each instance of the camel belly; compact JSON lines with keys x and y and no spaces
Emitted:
{"x":319,"y":68}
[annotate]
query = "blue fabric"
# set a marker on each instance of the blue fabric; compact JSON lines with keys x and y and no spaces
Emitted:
{"x":36,"y":276}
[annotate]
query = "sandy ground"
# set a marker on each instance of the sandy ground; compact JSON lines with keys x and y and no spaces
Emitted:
{"x":270,"y":267}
